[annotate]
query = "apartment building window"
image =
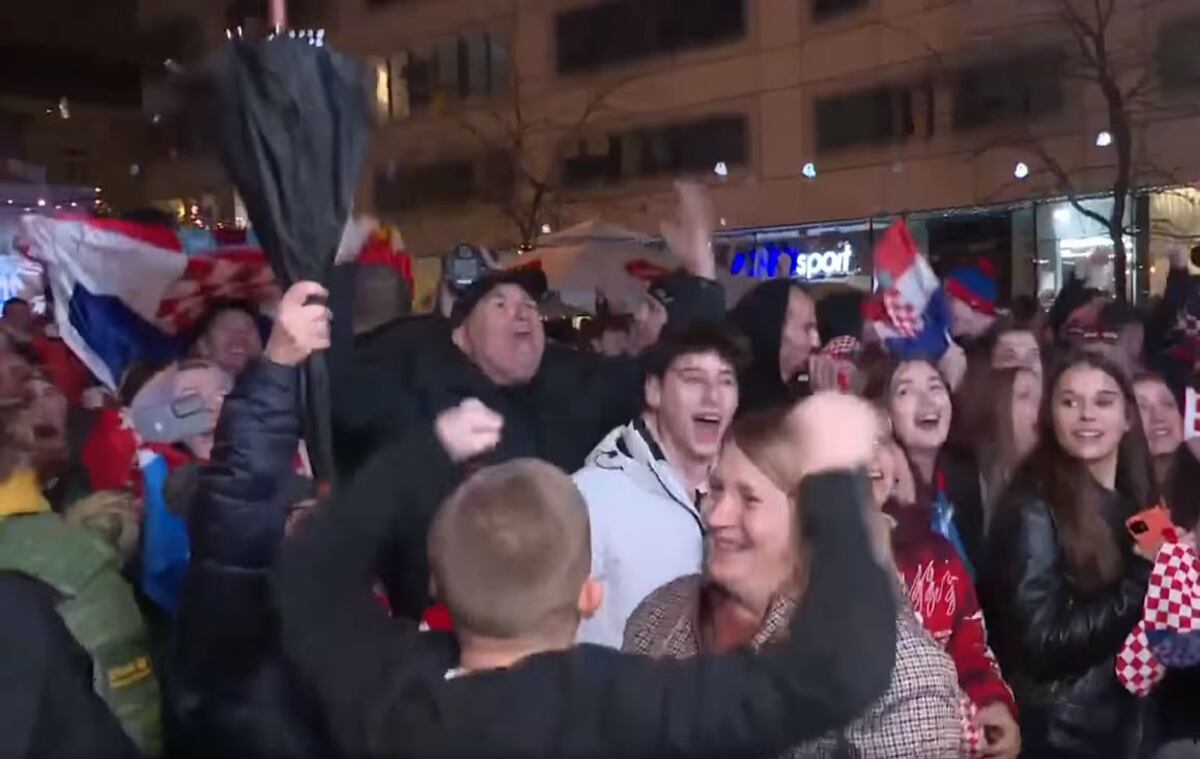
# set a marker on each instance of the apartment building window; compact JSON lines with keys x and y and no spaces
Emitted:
{"x":1178,"y":56}
{"x":625,"y":31}
{"x":658,"y":151}
{"x":824,"y":9}
{"x":877,"y":116}
{"x":446,"y":182}
{"x":459,"y":68}
{"x":999,"y":91}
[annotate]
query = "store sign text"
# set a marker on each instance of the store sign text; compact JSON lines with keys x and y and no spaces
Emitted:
{"x":764,"y":262}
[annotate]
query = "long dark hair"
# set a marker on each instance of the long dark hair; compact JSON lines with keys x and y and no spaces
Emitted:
{"x":1087,"y":540}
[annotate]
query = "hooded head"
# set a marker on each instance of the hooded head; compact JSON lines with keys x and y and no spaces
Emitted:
{"x":779,"y":320}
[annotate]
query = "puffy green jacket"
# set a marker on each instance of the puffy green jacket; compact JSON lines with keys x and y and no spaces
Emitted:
{"x":99,"y":609}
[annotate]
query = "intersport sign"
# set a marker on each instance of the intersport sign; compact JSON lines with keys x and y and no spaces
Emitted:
{"x":770,"y":261}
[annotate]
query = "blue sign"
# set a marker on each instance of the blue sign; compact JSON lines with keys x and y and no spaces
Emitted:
{"x":771,"y":260}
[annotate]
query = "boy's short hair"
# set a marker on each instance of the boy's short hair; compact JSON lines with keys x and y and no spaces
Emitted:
{"x":510,"y":550}
{"x":702,"y":337}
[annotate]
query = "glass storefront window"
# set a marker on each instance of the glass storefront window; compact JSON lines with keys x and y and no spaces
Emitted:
{"x":1065,"y":237}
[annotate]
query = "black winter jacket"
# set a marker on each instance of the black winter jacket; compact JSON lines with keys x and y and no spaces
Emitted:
{"x":1057,"y":643}
{"x":384,"y":690}
{"x":48,"y":705}
{"x":230,"y":690}
{"x":572,"y":402}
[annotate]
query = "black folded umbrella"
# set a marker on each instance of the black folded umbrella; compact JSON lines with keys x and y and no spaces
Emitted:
{"x":291,"y":122}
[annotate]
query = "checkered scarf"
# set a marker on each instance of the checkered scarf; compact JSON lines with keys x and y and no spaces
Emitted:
{"x":922,"y":714}
{"x":1168,"y":634}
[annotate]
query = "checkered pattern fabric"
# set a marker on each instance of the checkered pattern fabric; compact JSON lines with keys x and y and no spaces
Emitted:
{"x":240,"y":274}
{"x":903,"y":315}
{"x":922,"y":714}
{"x":842,"y":347}
{"x":1169,"y":633}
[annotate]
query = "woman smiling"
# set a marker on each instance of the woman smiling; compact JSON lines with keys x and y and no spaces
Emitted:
{"x":1065,"y":585}
{"x":756,"y":573}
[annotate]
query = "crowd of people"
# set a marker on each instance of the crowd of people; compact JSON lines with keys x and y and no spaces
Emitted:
{"x":691,"y":532}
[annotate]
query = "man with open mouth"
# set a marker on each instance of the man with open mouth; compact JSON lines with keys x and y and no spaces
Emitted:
{"x":643,"y":482}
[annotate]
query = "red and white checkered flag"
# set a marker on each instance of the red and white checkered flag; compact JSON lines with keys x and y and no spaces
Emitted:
{"x":1191,"y":414}
{"x":1168,"y":634}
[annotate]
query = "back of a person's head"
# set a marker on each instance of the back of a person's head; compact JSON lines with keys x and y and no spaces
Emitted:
{"x":510,"y":551}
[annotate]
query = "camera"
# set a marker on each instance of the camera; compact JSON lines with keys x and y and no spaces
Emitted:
{"x":465,"y":265}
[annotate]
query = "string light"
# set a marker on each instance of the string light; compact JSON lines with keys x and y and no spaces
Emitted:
{"x":1021,"y":170}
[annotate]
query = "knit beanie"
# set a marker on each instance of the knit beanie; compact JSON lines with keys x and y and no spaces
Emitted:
{"x":975,"y":286}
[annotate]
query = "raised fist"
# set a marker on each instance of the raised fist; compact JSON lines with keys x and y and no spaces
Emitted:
{"x":689,"y":237}
{"x":468,"y":430}
{"x":833,"y":431}
{"x":301,"y":328}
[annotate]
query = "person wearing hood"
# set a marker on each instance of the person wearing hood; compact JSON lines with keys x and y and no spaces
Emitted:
{"x":644,"y":482}
{"x":780,"y":320}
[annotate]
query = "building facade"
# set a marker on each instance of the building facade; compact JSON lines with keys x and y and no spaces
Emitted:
{"x":816,"y":122}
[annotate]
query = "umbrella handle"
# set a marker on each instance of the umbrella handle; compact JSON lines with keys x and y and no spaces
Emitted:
{"x":278,"y":15}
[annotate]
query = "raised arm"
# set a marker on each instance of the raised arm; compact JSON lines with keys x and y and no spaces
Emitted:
{"x":385,"y":692}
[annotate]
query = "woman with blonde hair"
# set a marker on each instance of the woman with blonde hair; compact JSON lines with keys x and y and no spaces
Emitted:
{"x":756,"y":574}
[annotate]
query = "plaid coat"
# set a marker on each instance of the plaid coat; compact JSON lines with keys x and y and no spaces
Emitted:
{"x":922,"y":714}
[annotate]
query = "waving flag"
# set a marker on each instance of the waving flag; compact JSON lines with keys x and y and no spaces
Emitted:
{"x":908,"y":310}
{"x":124,"y":291}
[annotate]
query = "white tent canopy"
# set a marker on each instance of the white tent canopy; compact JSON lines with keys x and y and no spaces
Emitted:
{"x":597,"y":257}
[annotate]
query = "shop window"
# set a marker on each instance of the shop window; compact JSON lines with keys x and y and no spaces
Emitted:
{"x":874,"y":117}
{"x":825,"y":9}
{"x":443,"y":183}
{"x":624,"y":31}
{"x":665,"y":150}
{"x":455,"y":69}
{"x":1178,"y":56}
{"x":996,"y":92}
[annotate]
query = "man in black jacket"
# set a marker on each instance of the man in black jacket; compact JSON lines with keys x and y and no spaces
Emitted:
{"x":557,"y":403}
{"x":48,"y":706}
{"x":383,"y":686}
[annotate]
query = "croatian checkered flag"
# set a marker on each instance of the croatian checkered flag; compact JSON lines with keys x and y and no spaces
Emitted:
{"x":125,"y":291}
{"x":1191,"y":414}
{"x":1168,"y":635}
{"x":908,"y":310}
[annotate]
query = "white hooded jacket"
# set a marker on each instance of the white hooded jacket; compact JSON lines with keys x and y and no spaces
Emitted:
{"x":645,"y":524}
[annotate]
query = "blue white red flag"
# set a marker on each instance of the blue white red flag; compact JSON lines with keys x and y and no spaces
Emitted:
{"x":908,"y":310}
{"x":124,"y":291}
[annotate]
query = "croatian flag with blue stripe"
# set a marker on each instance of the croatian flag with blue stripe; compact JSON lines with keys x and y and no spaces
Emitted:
{"x":124,"y":292}
{"x":908,"y":310}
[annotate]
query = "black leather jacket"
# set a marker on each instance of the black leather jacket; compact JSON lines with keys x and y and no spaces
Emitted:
{"x":1057,"y":643}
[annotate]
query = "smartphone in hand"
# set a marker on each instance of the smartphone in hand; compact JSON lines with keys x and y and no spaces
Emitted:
{"x":1151,"y":528}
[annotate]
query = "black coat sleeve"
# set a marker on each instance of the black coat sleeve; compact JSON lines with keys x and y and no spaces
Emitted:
{"x":236,"y":525}
{"x":48,"y":707}
{"x":385,"y":694}
{"x":1061,"y":630}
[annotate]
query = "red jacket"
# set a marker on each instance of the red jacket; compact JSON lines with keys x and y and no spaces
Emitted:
{"x":944,"y":599}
